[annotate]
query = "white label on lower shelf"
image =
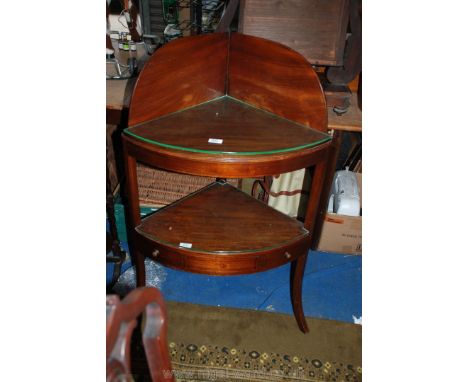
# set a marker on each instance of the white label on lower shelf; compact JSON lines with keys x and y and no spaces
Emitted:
{"x":185,"y":245}
{"x":215,"y":140}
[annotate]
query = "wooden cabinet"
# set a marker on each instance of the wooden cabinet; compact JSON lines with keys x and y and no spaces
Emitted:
{"x":236,"y":106}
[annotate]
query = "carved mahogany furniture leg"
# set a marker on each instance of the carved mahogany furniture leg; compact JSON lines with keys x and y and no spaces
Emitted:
{"x":298,"y":266}
{"x":133,"y":214}
{"x":318,"y":178}
{"x":331,"y":166}
{"x":118,"y":256}
{"x":297,"y":274}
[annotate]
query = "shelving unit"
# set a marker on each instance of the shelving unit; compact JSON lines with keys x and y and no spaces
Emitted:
{"x":242,"y":107}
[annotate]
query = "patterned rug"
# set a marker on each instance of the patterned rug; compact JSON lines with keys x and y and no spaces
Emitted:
{"x":229,"y":345}
{"x":212,"y":363}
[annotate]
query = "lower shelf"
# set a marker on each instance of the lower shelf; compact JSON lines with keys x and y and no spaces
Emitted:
{"x":221,"y":230}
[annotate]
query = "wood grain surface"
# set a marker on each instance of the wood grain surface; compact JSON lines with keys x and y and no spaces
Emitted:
{"x":274,"y":77}
{"x":223,"y":165}
{"x":228,"y":232}
{"x":315,"y":28}
{"x":240,"y":128}
{"x":263,"y":73}
{"x":221,"y":218}
{"x":183,"y":73}
{"x":349,"y":121}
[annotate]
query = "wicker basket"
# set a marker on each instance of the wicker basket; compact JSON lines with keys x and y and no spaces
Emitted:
{"x":158,"y":188}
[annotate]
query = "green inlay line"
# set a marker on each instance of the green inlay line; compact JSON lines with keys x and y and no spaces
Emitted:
{"x":167,"y":145}
{"x":326,"y":138}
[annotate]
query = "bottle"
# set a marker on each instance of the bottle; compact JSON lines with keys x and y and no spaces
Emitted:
{"x":125,"y":43}
{"x":121,"y":40}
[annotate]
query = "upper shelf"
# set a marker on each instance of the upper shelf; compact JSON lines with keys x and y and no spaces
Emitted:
{"x":260,"y":102}
{"x":227,"y":126}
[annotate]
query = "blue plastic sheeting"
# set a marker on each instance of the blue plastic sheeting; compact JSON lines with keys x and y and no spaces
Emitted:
{"x":331,"y":287}
{"x":110,"y":266}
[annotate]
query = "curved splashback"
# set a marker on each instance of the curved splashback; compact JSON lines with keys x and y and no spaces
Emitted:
{"x":265,"y":74}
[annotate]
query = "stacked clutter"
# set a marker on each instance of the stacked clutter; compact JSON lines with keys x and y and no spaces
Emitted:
{"x":342,"y":226}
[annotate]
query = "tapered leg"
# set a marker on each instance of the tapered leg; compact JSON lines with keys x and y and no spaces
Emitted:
{"x":297,"y":274}
{"x":328,"y":179}
{"x":298,"y":266}
{"x":133,"y":214}
{"x":118,"y":255}
{"x":139,"y":260}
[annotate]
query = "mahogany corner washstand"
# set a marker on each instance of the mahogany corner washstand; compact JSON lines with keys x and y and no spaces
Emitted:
{"x":226,"y":106}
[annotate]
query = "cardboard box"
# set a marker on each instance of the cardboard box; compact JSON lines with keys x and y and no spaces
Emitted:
{"x":342,"y":234}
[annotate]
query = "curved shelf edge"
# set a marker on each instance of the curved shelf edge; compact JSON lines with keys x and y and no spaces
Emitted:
{"x":242,"y":153}
{"x":223,"y":165}
{"x":222,"y":264}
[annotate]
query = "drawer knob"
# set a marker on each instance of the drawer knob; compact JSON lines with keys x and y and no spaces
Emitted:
{"x":287,"y":255}
{"x":155,"y":253}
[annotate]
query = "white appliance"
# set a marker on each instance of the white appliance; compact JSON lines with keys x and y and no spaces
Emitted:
{"x":344,"y":198}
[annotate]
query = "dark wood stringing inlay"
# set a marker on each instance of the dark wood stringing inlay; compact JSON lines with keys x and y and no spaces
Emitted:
{"x":221,"y":218}
{"x":242,"y":128}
